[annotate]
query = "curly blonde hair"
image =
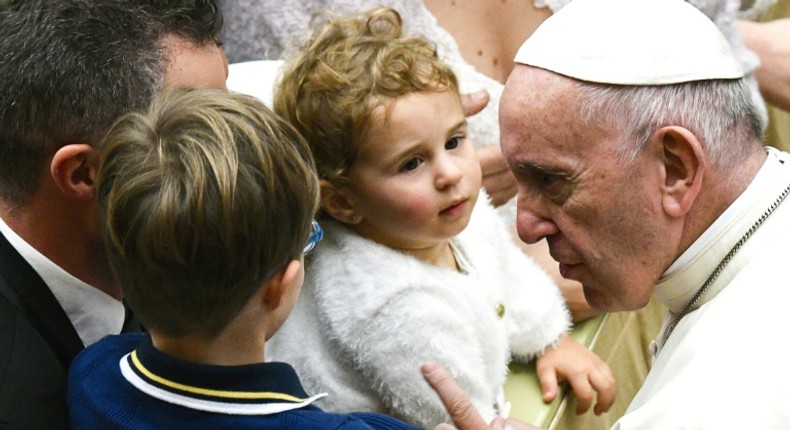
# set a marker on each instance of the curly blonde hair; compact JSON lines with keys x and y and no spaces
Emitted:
{"x":347,"y":69}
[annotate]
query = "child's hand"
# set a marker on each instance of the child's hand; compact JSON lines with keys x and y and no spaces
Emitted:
{"x":585,"y":371}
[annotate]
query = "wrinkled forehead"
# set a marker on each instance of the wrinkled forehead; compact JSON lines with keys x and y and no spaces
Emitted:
{"x":531,"y":87}
{"x":534,"y":97}
{"x":540,"y":119}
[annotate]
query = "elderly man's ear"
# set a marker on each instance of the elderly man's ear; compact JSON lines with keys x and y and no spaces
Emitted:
{"x":682,"y":168}
{"x":73,"y":169}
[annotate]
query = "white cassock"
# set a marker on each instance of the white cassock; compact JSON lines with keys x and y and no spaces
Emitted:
{"x":725,"y":365}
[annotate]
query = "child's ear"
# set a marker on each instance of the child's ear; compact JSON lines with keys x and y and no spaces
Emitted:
{"x":73,"y":168}
{"x":278,"y":287}
{"x":336,"y":202}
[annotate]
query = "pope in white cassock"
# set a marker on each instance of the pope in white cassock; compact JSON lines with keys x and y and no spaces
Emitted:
{"x":640,"y":160}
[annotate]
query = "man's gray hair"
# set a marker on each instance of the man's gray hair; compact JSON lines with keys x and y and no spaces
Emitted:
{"x":720,"y":113}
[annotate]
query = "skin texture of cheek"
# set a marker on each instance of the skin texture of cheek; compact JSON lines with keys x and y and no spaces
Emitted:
{"x":626,"y":271}
{"x":615,"y":232}
{"x":396,"y":216}
{"x":411,"y":208}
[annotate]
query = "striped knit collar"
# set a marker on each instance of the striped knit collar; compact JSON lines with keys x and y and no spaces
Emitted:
{"x":254,"y":389}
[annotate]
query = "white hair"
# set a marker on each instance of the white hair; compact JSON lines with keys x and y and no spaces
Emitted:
{"x":720,"y":113}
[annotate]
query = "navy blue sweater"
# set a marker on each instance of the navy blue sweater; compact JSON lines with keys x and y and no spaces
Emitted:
{"x":123,"y":382}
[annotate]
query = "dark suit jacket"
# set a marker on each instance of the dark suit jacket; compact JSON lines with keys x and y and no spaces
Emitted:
{"x":37,"y":344}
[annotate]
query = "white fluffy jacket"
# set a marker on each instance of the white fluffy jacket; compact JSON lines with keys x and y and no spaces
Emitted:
{"x":368,"y":316}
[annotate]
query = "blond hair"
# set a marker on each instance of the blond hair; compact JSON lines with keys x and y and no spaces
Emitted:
{"x":347,"y":69}
{"x":203,"y":196}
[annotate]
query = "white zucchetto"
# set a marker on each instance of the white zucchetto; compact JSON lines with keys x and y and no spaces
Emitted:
{"x":631,"y":42}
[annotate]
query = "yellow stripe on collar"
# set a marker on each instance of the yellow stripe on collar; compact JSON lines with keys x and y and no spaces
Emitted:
{"x":209,"y":392}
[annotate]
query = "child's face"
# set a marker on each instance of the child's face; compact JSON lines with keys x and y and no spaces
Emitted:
{"x":416,"y":178}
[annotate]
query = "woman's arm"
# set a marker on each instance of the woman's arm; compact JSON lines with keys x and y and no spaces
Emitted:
{"x":771,"y":42}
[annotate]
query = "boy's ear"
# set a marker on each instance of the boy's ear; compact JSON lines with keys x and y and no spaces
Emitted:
{"x":73,"y":168}
{"x":277,"y":287}
{"x":683,"y":166}
{"x":335,"y":200}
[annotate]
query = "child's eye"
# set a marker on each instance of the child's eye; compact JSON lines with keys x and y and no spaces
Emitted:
{"x":411,"y":164}
{"x":453,"y":143}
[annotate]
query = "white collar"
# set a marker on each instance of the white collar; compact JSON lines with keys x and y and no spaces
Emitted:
{"x":93,"y":313}
{"x":682,"y":279}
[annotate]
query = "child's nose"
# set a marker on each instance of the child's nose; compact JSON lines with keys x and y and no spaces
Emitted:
{"x":448,"y":173}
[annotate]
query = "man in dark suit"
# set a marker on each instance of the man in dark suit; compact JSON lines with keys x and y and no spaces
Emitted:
{"x":68,"y":69}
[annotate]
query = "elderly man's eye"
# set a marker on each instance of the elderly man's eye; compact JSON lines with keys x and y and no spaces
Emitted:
{"x":548,"y":180}
{"x":555,"y":187}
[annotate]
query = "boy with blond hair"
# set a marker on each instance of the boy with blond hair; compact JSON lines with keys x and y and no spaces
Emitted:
{"x":207,"y":201}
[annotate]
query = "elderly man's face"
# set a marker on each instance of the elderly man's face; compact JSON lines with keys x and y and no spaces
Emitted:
{"x":601,"y":217}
